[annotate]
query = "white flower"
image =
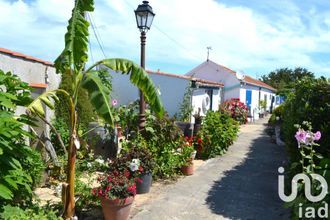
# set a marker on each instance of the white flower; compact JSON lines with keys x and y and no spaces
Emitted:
{"x":134,"y":165}
{"x":89,"y":165}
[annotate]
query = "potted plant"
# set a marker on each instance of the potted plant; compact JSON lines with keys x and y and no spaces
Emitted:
{"x":137,"y":149}
{"x":184,"y":116}
{"x":188,"y":154}
{"x":116,"y":191}
{"x":198,"y":121}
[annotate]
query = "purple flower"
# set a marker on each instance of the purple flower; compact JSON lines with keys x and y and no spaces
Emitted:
{"x":114,"y":102}
{"x":301,"y":136}
{"x":317,"y":136}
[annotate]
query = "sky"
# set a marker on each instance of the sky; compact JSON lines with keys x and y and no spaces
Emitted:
{"x":255,"y":36}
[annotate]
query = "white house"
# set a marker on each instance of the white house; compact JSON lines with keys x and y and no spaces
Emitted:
{"x":40,"y":75}
{"x":205,"y":94}
{"x":249,"y":90}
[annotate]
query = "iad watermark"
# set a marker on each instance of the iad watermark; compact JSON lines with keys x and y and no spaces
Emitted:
{"x":306,"y":212}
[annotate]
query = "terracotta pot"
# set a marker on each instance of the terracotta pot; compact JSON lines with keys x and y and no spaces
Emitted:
{"x":188,"y":170}
{"x":117,"y":209}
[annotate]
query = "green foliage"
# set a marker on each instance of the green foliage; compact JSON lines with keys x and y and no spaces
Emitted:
{"x":35,"y":213}
{"x":84,"y":107}
{"x":185,"y":107}
{"x":164,"y":139}
{"x":99,"y":95}
{"x":75,"y":54}
{"x":284,"y":79}
{"x":218,"y":132}
{"x":137,"y":148}
{"x":139,"y":78}
{"x":306,"y":165}
{"x":277,"y":113}
{"x":310,"y":101}
{"x":63,"y":128}
{"x":21,"y":166}
{"x":86,"y":200}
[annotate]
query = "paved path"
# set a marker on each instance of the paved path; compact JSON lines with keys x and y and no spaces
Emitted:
{"x":242,"y":184}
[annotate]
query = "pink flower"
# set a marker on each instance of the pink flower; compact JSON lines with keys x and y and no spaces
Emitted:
{"x":114,"y":102}
{"x":301,"y":136}
{"x":317,"y":136}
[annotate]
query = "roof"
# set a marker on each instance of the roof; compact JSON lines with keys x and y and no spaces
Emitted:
{"x":26,"y":57}
{"x":202,"y":81}
{"x":247,"y":79}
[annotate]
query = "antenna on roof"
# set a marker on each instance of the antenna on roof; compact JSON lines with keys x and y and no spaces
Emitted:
{"x":208,"y":52}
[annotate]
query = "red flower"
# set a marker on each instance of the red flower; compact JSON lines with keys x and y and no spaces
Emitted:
{"x":127,"y":173}
{"x":141,"y":169}
{"x":139,"y":180}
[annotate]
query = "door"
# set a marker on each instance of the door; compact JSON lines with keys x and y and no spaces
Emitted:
{"x":248,"y":99}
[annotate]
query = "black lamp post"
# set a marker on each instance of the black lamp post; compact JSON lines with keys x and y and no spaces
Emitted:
{"x":144,"y":17}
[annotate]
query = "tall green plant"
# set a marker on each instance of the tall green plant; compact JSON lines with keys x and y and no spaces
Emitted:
{"x":185,"y":107}
{"x":21,"y":166}
{"x":72,"y":62}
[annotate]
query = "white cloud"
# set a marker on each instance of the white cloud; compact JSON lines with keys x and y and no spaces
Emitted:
{"x":241,"y":37}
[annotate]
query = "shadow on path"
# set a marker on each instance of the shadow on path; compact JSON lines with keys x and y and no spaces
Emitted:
{"x":249,"y":191}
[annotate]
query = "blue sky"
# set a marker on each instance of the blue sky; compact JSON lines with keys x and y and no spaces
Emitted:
{"x":255,"y":36}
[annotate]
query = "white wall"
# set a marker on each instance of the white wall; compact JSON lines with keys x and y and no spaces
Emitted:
{"x":172,"y":90}
{"x":31,"y":72}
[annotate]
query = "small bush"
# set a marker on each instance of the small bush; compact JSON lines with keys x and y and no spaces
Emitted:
{"x":35,"y":213}
{"x":164,"y":139}
{"x":218,"y":132}
{"x":236,"y":109}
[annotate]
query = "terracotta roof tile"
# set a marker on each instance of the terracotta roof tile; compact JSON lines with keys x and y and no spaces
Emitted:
{"x":249,"y":79}
{"x":26,"y":57}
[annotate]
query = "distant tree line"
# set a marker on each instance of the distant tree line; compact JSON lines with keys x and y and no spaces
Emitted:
{"x":284,"y":79}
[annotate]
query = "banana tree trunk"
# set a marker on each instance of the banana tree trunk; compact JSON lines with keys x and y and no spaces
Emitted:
{"x":69,"y":201}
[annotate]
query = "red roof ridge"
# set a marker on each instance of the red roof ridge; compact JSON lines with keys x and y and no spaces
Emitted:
{"x":30,"y":58}
{"x":248,"y":78}
{"x":185,"y":77}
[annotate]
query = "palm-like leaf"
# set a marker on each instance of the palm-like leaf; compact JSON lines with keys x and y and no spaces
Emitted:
{"x":36,"y":107}
{"x":138,"y":77}
{"x":76,"y":39}
{"x":99,"y":95}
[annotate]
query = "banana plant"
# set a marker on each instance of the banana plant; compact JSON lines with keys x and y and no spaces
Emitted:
{"x":72,"y":61}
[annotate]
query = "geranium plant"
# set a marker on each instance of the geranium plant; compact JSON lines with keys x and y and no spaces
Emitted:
{"x":115,"y":185}
{"x":187,"y":152}
{"x":236,"y":109}
{"x":137,"y":149}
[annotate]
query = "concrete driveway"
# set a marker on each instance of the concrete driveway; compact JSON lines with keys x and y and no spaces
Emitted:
{"x":242,"y":184}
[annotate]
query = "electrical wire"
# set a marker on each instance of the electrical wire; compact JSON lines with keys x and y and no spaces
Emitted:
{"x":95,"y":34}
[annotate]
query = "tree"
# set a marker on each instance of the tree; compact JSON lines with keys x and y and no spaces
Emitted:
{"x":71,"y":62}
{"x":284,"y":79}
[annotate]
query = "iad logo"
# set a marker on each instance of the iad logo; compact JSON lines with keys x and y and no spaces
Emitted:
{"x":309,"y":212}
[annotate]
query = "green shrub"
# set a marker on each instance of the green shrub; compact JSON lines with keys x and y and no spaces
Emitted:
{"x":164,"y":139}
{"x":84,"y":107}
{"x":21,"y":166}
{"x":218,"y":132}
{"x":278,"y":112}
{"x":310,"y":101}
{"x":36,"y":213}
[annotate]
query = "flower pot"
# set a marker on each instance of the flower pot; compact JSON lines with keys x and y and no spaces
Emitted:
{"x":117,"y":209}
{"x":188,"y":170}
{"x":143,"y":186}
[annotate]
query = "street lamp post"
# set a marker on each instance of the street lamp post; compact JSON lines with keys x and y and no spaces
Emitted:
{"x":144,"y":17}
